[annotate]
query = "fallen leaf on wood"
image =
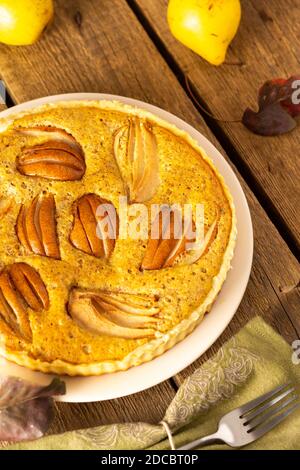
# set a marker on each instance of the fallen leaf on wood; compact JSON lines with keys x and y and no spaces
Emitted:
{"x":279,"y":104}
{"x":26,"y":410}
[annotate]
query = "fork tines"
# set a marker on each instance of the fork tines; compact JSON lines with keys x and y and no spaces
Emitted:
{"x":264,"y":413}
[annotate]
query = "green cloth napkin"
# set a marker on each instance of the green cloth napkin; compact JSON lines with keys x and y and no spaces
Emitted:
{"x":254,"y":362}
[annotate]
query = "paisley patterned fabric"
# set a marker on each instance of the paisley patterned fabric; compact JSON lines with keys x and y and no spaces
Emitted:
{"x":252,"y":363}
{"x":216,"y":380}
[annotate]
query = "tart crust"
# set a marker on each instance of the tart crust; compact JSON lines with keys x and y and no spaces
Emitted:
{"x":164,"y":341}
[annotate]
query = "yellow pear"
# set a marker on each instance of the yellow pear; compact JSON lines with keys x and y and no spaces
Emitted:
{"x":205,"y":26}
{"x":23,"y":21}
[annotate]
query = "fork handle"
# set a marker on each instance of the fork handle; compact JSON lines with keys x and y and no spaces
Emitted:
{"x":212,"y":439}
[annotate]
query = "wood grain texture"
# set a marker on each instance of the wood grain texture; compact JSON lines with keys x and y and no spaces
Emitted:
{"x":148,"y":406}
{"x":267,"y":46}
{"x":110,"y":52}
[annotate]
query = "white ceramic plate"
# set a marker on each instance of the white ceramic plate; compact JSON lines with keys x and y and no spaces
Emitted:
{"x":109,"y":386}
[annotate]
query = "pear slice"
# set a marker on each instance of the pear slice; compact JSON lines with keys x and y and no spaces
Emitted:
{"x":54,"y":133}
{"x":59,"y":156}
{"x":87,"y":310}
{"x":21,"y":229}
{"x":147,"y":180}
{"x":33,"y":227}
{"x":47,"y":221}
{"x":192,"y":256}
{"x":52,"y":160}
{"x":11,"y":300}
{"x":29,"y":284}
{"x":138,"y":159}
{"x":7,"y":313}
{"x":164,"y":251}
{"x":86,"y":230}
{"x":122,"y":319}
{"x":21,"y":287}
{"x":170,"y":251}
{"x":128,"y":306}
{"x":36,"y":226}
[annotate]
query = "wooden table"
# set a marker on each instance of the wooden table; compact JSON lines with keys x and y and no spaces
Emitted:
{"x":125,"y":48}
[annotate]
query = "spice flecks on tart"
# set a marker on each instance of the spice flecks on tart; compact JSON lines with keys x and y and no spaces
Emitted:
{"x":5,"y":204}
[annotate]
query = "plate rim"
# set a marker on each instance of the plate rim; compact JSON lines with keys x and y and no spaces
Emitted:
{"x":134,"y":386}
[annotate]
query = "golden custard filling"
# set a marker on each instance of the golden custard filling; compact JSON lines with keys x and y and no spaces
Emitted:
{"x":69,"y":297}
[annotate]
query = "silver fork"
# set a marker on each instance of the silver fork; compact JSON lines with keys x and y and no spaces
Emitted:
{"x":252,"y":420}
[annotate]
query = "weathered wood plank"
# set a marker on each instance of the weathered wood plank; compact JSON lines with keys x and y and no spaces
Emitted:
{"x":267,"y":46}
{"x":148,"y":406}
{"x":110,"y":52}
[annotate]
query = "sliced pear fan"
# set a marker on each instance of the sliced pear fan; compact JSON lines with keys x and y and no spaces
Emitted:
{"x":21,"y":286}
{"x":171,"y":250}
{"x":36,"y":226}
{"x":59,"y":156}
{"x":138,"y":159}
{"x":164,"y":251}
{"x":87,"y":228}
{"x":103,"y":314}
{"x":54,"y":133}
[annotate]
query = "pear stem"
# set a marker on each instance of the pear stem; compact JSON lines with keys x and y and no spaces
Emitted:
{"x":191,"y":93}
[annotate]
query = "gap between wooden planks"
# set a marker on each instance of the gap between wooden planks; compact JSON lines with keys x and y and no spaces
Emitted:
{"x":110,"y":52}
{"x":267,"y":46}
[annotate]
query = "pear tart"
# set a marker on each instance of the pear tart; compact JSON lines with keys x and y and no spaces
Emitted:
{"x":74,"y":300}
